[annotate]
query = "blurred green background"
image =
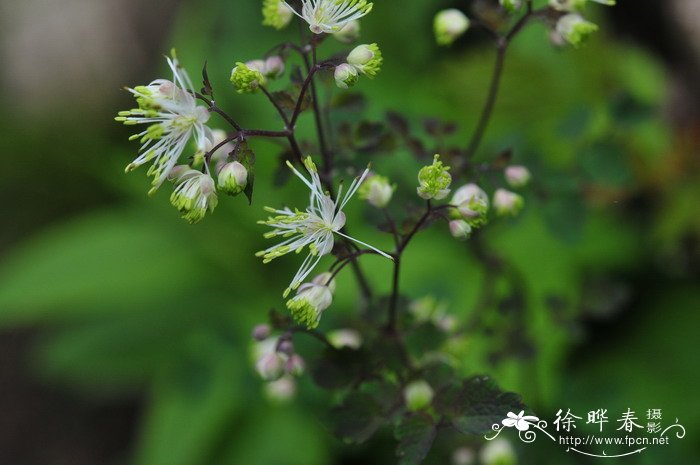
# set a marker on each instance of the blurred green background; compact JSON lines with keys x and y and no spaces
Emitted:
{"x":124,"y":332}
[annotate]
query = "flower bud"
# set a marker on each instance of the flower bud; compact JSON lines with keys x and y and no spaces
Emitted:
{"x":233,"y":178}
{"x":463,"y":456}
{"x":281,"y":390}
{"x":246,"y":79}
{"x":511,"y":5}
{"x":274,"y":67}
{"x":575,"y":29}
{"x":219,"y":157}
{"x":574,"y":5}
{"x":295,"y":365}
{"x":418,"y":395}
{"x":345,"y":76}
{"x":498,"y":452}
{"x":309,"y":303}
{"x":460,"y":229}
{"x":434,"y":180}
{"x":449,"y":25}
{"x":349,"y":33}
{"x":367,"y":59}
{"x":507,"y":203}
{"x":276,"y":13}
{"x":472,"y":205}
{"x":517,"y":176}
{"x":285,"y":347}
{"x":270,"y":366}
{"x":377,"y":191}
{"x":261,"y":332}
{"x":345,"y":338}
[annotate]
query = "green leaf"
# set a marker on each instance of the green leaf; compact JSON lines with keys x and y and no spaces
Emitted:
{"x":105,"y":262}
{"x":336,"y":369}
{"x":357,"y":418}
{"x":479,"y":403}
{"x":415,"y":433}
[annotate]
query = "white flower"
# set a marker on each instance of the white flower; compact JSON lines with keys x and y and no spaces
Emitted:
{"x":519,"y":421}
{"x":517,"y":176}
{"x":314,"y":228}
{"x":310,"y":303}
{"x":472,"y":205}
{"x":449,"y":25}
{"x":460,"y":229}
{"x":345,"y":75}
{"x":194,"y":195}
{"x":331,"y":16}
{"x":507,"y":203}
{"x":377,"y":190}
{"x":173,"y":116}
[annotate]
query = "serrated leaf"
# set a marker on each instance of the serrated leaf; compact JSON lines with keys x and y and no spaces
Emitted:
{"x":415,"y":433}
{"x":207,"y":88}
{"x":357,"y":418}
{"x":479,"y":403}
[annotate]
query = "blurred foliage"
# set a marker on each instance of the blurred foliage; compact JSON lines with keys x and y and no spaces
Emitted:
{"x":130,"y":300}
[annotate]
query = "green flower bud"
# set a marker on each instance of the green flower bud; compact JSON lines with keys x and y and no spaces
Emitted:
{"x":418,"y":395}
{"x":517,"y":176}
{"x":449,"y":25}
{"x":233,"y":178}
{"x":460,"y":229}
{"x":472,"y":205}
{"x":349,"y":33}
{"x":434,"y":180}
{"x":498,"y":452}
{"x":276,"y":13}
{"x":310,"y":303}
{"x":377,"y":190}
{"x":245,"y":79}
{"x":507,"y":203}
{"x":511,"y":5}
{"x":367,"y":58}
{"x":575,"y":29}
{"x":345,"y":75}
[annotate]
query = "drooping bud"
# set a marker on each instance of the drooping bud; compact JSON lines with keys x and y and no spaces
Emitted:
{"x":261,"y":332}
{"x":418,"y":395}
{"x":345,"y":75}
{"x":367,"y":59}
{"x":276,"y":13}
{"x":345,"y":338}
{"x":511,"y":5}
{"x":449,"y":25}
{"x":434,"y":180}
{"x":507,"y":203}
{"x":285,"y":346}
{"x":498,"y":452}
{"x":309,"y":303}
{"x":325,"y":279}
{"x":575,"y":29}
{"x":517,"y":176}
{"x":270,"y":366}
{"x":233,"y":178}
{"x":246,"y":79}
{"x":194,"y":195}
{"x":575,"y":5}
{"x":274,"y":67}
{"x":377,"y":190}
{"x":349,"y":33}
{"x":460,"y":229}
{"x":472,"y":205}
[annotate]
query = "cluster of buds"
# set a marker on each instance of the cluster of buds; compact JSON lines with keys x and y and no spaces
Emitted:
{"x":312,"y":300}
{"x":434,"y":180}
{"x":276,"y":362}
{"x":364,"y":59}
{"x":470,"y":210}
{"x":249,"y":77}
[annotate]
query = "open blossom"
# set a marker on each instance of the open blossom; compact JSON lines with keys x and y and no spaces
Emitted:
{"x":315,"y":228}
{"x":330,"y":16}
{"x":194,"y":195}
{"x":173,"y":118}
